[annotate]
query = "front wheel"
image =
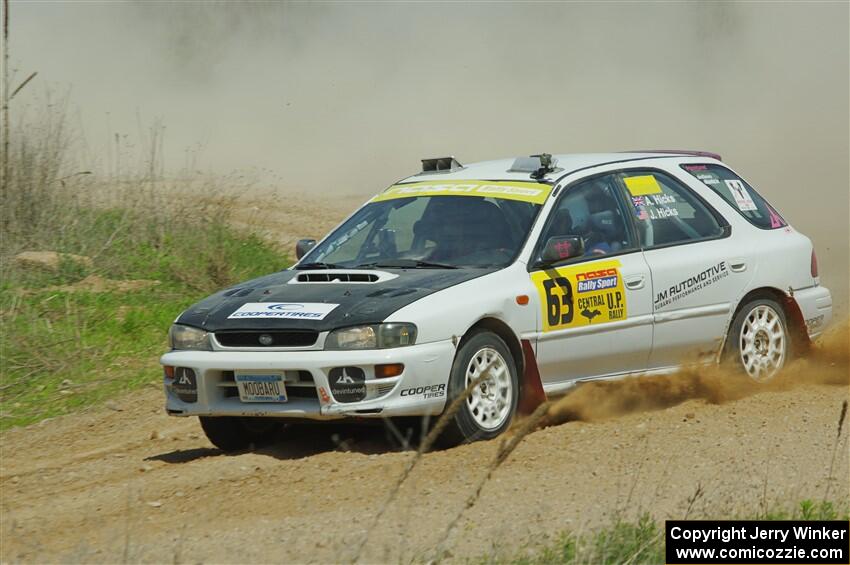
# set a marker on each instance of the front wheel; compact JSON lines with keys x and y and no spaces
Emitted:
{"x":759,"y":341}
{"x":490,"y":406}
{"x":232,"y":433}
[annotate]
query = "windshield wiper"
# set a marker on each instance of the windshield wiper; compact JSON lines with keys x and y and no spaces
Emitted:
{"x":406,"y":264}
{"x":316,"y":265}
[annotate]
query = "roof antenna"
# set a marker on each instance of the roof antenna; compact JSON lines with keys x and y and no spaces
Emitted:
{"x":545,"y":166}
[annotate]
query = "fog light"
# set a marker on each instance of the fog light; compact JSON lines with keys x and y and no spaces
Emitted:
{"x":390,"y":370}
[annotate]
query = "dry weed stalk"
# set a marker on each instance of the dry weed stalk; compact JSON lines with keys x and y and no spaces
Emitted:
{"x":424,"y":447}
{"x":5,"y":94}
{"x":841,"y":417}
{"x":506,"y":447}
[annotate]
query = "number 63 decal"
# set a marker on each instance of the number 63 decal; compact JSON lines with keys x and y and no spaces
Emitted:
{"x":559,"y":304}
{"x":594,"y":290}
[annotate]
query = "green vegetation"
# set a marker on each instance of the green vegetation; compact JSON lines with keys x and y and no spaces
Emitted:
{"x":80,"y":331}
{"x":63,"y":347}
{"x":638,"y":542}
{"x":641,"y":541}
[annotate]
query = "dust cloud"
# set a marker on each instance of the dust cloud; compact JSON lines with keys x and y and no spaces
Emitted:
{"x":346,"y":98}
{"x":827,"y":363}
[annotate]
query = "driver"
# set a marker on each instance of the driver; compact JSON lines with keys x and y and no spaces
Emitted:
{"x":573,"y":218}
{"x":464,"y":226}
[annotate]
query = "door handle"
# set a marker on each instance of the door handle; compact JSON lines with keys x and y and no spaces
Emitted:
{"x":738,"y":265}
{"x":635,"y":283}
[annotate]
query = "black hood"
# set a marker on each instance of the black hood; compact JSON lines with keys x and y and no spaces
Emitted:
{"x":359,"y":303}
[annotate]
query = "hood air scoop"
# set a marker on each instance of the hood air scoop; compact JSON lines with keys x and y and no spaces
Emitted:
{"x":341,"y":276}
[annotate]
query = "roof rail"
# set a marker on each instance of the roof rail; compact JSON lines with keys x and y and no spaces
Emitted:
{"x":440,"y":165}
{"x":708,"y":154}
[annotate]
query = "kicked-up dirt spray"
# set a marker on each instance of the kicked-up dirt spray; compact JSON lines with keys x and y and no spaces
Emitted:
{"x":826,"y":363}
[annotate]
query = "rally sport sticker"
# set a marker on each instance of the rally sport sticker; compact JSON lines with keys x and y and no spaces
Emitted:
{"x":581,"y":295}
{"x":284,"y":310}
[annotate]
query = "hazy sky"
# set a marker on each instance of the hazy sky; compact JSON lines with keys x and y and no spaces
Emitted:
{"x":350,"y":96}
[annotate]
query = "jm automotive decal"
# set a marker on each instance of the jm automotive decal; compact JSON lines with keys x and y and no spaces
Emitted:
{"x":691,"y":285}
{"x":286,"y":310}
{"x":581,"y":295}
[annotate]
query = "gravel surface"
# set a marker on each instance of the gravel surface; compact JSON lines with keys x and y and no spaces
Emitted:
{"x":124,"y":482}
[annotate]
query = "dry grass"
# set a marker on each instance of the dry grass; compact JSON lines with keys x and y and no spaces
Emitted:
{"x":131,"y":220}
{"x":153,"y":245}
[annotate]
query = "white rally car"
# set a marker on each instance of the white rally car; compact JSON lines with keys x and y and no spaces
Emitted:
{"x":522,"y":276}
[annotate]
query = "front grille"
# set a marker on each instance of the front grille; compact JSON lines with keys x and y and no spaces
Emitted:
{"x":302,"y":392}
{"x":286,"y":338}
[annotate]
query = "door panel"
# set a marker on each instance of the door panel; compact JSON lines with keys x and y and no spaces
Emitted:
{"x":695,"y":287}
{"x":596,"y":307}
{"x":697,"y":271}
{"x":596,"y":318}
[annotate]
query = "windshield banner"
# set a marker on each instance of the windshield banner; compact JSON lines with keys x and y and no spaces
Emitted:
{"x":513,"y":190}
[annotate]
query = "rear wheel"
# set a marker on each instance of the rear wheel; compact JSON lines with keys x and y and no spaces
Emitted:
{"x":759,"y":341}
{"x":489,"y":408}
{"x":232,"y":433}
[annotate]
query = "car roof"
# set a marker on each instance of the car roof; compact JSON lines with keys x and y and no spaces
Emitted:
{"x":566,"y":163}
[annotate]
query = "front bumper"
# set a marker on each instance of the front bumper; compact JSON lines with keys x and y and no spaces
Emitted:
{"x":417,"y":391}
{"x":816,"y":307}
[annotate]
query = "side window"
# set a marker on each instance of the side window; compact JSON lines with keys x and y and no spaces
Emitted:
{"x":594,"y":211}
{"x":740,"y":195}
{"x":667,"y":212}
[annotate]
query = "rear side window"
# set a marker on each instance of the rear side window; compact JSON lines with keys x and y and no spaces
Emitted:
{"x":740,"y":195}
{"x":667,"y":212}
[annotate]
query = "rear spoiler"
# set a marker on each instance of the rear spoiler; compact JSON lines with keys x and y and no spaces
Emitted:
{"x":708,"y":154}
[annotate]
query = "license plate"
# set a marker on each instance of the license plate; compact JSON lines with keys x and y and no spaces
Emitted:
{"x":261,"y":388}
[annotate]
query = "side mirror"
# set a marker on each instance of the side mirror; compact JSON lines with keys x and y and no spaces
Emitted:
{"x":562,"y":248}
{"x":303,"y":246}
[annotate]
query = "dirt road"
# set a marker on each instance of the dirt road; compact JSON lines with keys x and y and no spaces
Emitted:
{"x":124,"y":482}
{"x":127,"y":483}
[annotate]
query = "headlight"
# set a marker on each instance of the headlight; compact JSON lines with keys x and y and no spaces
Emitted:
{"x":188,"y":338}
{"x":377,"y":336}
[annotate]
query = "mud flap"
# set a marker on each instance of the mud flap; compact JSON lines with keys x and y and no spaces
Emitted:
{"x":798,"y":330}
{"x":531,"y":388}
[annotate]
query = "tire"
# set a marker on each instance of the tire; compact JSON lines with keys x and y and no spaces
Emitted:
{"x":231,"y":433}
{"x":759,"y":341}
{"x":491,"y":406}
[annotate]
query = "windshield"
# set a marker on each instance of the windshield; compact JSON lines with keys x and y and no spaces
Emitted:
{"x":428,"y":231}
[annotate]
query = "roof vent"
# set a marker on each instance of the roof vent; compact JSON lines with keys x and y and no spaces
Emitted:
{"x":538,"y":166}
{"x":440,"y":165}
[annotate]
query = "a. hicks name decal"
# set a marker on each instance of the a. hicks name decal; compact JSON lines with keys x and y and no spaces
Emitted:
{"x":691,"y":285}
{"x":581,"y":295}
{"x":517,"y":190}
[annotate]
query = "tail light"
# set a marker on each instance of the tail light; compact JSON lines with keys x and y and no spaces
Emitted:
{"x":814,"y":264}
